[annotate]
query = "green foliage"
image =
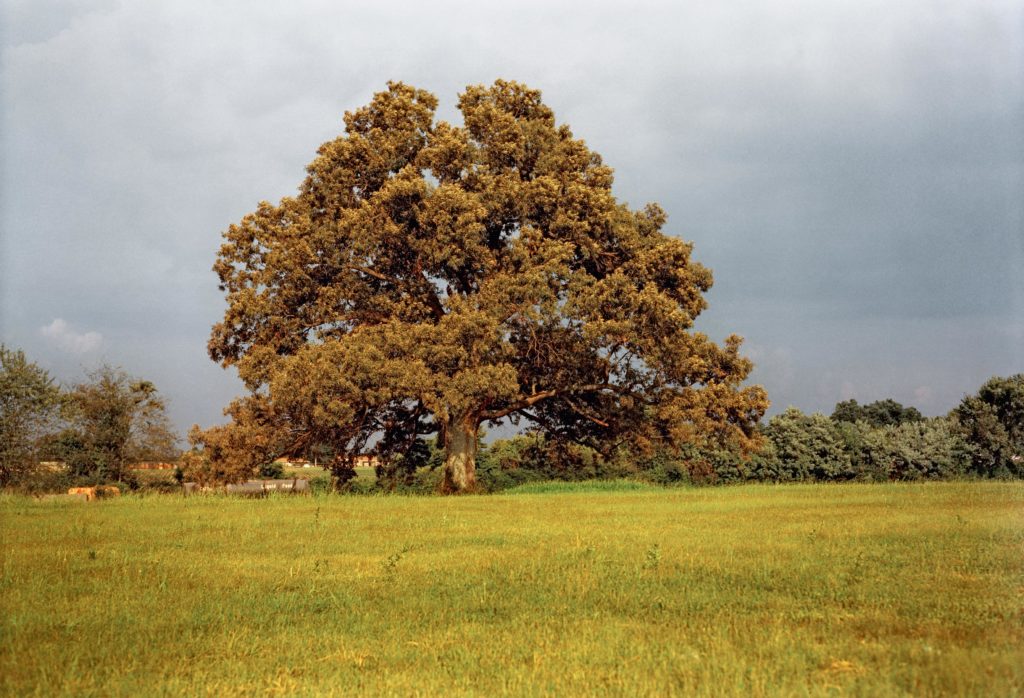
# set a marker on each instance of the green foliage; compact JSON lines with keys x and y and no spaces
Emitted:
{"x":926,"y":449}
{"x":865,"y":445}
{"x":807,"y":447}
{"x":813,"y":448}
{"x":508,"y":463}
{"x":29,"y":405}
{"x":399,"y":471}
{"x":114,"y":420}
{"x":46,"y":480}
{"x":691,"y":465}
{"x":273,"y":470}
{"x":662,"y":467}
{"x":992,"y":424}
{"x":881,"y":413}
{"x":320,"y":484}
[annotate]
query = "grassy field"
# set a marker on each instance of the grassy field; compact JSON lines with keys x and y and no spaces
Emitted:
{"x":881,"y":590}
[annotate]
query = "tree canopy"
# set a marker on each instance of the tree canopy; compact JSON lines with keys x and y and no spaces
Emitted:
{"x":29,"y":404}
{"x":430,"y":278}
{"x":113,"y":420}
{"x":879,"y":413}
{"x":992,"y":423}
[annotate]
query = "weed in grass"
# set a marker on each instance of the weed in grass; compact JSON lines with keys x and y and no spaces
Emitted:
{"x":391,"y":563}
{"x":652,"y":558}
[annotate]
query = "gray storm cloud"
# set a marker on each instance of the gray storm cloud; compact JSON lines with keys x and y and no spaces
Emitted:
{"x":851,"y":171}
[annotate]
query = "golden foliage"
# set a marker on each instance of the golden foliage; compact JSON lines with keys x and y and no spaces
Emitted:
{"x":433,"y":277}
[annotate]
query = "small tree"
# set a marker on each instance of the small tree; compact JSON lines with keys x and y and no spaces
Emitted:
{"x":430,"y":278}
{"x":115,"y":420}
{"x":29,"y":405}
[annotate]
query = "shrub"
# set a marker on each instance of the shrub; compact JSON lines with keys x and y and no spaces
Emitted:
{"x":808,"y":447}
{"x":44,"y":481}
{"x":928,"y":449}
{"x":273,"y":470}
{"x":320,"y":484}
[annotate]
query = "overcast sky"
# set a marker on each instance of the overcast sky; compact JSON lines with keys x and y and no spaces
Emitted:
{"x":853,"y":172}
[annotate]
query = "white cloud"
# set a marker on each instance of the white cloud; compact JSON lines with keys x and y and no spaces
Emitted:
{"x":63,"y":337}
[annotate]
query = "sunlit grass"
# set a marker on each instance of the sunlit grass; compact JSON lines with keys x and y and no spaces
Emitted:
{"x":599,"y":590}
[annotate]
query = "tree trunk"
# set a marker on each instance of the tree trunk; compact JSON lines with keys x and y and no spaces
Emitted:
{"x":460,"y":454}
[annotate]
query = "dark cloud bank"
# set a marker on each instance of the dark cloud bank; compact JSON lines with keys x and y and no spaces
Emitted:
{"x":852,"y":171}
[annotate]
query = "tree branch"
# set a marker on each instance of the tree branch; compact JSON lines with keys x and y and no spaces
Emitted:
{"x":582,"y":413}
{"x":518,"y":405}
{"x":532,"y":400}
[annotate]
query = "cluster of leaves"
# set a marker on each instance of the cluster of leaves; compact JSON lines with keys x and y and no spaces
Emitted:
{"x":506,"y":463}
{"x":89,"y":432}
{"x":814,"y":447}
{"x":112,"y":420}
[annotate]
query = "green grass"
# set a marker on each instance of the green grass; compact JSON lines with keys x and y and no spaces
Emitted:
{"x":875,"y":590}
{"x":556,"y":486}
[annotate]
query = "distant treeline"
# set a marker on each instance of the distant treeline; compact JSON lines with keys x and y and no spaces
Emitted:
{"x":881,"y":441}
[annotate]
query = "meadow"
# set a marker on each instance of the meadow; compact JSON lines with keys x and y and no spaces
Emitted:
{"x":614,"y":589}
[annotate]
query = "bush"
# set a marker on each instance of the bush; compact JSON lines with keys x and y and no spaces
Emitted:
{"x":928,"y":449}
{"x":321,"y":484}
{"x":862,"y":443}
{"x":44,"y":481}
{"x":29,"y":402}
{"x":807,"y":447}
{"x":399,"y":472}
{"x":273,"y":470}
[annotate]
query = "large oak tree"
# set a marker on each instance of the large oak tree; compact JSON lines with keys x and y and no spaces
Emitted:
{"x":430,"y":278}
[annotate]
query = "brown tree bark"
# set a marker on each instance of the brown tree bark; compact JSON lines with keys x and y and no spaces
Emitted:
{"x":460,"y":447}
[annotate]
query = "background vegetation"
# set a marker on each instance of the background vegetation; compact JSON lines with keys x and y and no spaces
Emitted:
{"x":879,"y":442}
{"x":95,"y":431}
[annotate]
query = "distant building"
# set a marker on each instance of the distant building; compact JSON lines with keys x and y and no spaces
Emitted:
{"x":363,"y":460}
